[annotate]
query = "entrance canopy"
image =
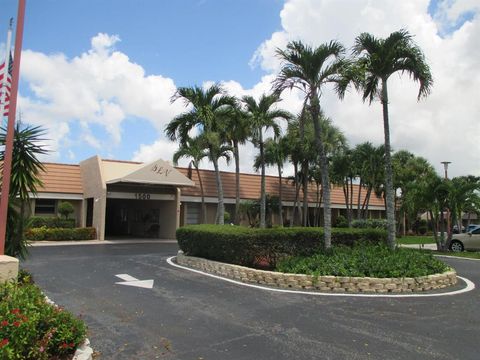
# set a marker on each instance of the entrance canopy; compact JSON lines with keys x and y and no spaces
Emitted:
{"x":158,"y":172}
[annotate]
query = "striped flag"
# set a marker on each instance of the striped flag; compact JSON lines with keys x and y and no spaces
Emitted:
{"x":5,"y":86}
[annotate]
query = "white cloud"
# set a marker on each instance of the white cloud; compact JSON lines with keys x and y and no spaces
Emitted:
{"x":442,"y":127}
{"x":103,"y":86}
{"x":100,"y":87}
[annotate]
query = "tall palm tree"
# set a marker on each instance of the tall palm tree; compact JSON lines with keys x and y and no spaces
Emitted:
{"x":24,"y":181}
{"x":194,"y":149}
{"x":375,"y":60}
{"x":237,"y":132}
{"x":209,"y":109}
{"x":262,"y":116}
{"x":308,"y":69}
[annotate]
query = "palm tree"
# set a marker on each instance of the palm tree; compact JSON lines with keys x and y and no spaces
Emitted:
{"x":24,"y":181}
{"x":262,"y":116}
{"x":275,"y":155}
{"x":375,"y":61}
{"x":193,"y":148}
{"x":209,"y":109}
{"x":237,"y":132}
{"x":308,"y":69}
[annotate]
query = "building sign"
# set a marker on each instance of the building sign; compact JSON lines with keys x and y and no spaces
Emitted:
{"x":139,"y":196}
{"x":161,"y":170}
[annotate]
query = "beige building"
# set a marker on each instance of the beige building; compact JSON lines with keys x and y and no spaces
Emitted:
{"x":132,"y":199}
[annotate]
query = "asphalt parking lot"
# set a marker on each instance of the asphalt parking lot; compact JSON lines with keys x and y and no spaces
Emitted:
{"x":191,"y":316}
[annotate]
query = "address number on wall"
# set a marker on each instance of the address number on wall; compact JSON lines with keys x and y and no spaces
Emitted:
{"x":142,"y":196}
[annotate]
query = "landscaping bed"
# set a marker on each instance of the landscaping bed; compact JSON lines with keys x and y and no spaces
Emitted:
{"x":358,"y":261}
{"x":32,"y":328}
{"x":336,"y":284}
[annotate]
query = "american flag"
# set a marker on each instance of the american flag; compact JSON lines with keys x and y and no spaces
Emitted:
{"x":6,"y":86}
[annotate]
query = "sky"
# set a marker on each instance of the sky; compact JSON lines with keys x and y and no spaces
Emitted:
{"x":99,"y":75}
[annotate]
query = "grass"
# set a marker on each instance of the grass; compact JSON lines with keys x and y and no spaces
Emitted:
{"x":416,"y":240}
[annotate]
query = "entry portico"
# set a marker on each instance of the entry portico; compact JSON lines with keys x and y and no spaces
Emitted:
{"x":132,"y":199}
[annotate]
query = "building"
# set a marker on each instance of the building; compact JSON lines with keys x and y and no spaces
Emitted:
{"x":132,"y":199}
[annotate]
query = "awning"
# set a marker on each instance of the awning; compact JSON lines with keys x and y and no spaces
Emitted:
{"x":158,"y":172}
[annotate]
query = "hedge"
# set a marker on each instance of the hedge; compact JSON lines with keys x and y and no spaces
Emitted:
{"x":43,"y":233}
{"x":251,"y":246}
{"x":51,"y":222}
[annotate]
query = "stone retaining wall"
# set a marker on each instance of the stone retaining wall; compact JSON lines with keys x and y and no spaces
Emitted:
{"x":338,"y":284}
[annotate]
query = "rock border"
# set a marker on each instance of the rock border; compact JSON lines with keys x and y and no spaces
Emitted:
{"x":336,"y":284}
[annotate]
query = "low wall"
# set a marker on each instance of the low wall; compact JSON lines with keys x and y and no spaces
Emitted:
{"x":338,"y":284}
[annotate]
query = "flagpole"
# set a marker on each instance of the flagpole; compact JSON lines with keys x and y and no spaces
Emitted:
{"x":7,"y":163}
{"x":5,"y":70}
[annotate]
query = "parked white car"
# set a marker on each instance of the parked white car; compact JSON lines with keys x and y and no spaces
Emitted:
{"x":467,"y":241}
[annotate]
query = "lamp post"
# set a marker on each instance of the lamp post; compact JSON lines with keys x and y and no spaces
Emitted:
{"x":449,"y":231}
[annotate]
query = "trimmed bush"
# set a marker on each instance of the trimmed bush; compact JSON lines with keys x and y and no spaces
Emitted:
{"x":250,"y":247}
{"x":65,"y":209}
{"x":53,"y":222}
{"x":32,"y":329}
{"x":44,"y":233}
{"x":365,"y":260}
{"x":341,"y":221}
{"x":370,"y":223}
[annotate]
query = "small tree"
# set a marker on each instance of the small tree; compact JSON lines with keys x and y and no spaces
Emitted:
{"x":25,"y":178}
{"x":65,"y":209}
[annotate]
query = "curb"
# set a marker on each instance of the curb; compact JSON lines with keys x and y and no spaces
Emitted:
{"x":469,"y":287}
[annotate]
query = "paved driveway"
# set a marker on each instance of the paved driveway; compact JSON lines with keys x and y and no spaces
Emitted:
{"x":190,"y":316}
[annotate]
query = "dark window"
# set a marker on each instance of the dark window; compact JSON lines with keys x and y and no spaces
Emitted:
{"x":476,"y":231}
{"x":45,"y":206}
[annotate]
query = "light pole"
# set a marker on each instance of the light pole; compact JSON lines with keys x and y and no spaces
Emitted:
{"x":445,"y":166}
{"x":449,"y":232}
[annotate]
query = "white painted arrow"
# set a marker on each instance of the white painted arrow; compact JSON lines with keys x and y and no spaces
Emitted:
{"x":131,"y":281}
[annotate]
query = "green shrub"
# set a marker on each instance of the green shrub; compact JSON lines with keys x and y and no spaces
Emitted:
{"x":44,"y":233}
{"x":370,"y":223}
{"x":249,"y":246}
{"x":53,"y":222}
{"x":341,"y":221}
{"x":65,"y":208}
{"x":32,"y":329}
{"x":367,"y":260}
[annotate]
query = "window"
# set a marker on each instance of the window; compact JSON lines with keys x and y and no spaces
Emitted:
{"x":45,"y":207}
{"x":193,"y":213}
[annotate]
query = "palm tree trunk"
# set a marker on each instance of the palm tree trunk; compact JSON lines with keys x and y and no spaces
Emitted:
{"x":390,"y":196}
{"x":280,"y":193}
{"x":327,"y":212}
{"x":236,"y":155}
{"x":297,"y":190}
{"x":350,"y":214}
{"x":359,"y":212}
{"x":262,"y":187}
{"x":305,"y":193}
{"x":202,"y":194}
{"x":221,"y":206}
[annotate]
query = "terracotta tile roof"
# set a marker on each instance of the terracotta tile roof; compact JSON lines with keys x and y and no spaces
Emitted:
{"x":250,"y":188}
{"x":61,"y":178}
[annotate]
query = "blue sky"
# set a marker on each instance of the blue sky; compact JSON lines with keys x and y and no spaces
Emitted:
{"x":189,"y":41}
{"x":183,"y":43}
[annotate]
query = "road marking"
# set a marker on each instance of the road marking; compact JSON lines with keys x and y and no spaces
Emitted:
{"x":469,"y":287}
{"x":131,"y":281}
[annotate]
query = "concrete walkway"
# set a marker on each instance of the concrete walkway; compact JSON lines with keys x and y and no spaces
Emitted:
{"x":420,"y":246}
{"x":102,"y":242}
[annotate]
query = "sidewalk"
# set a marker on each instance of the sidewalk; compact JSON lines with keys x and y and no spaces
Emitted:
{"x":420,"y":246}
{"x":101,"y":242}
